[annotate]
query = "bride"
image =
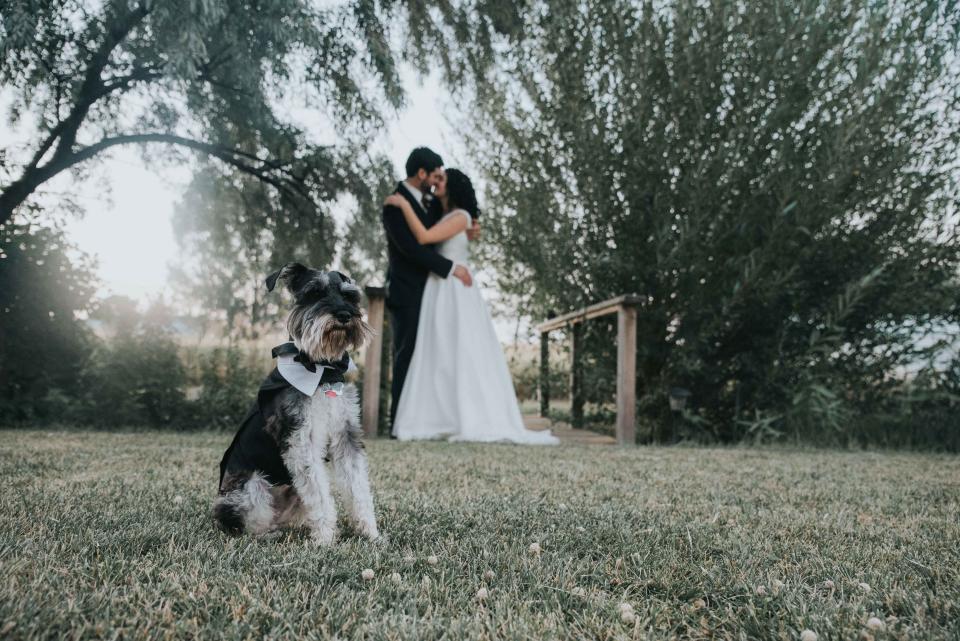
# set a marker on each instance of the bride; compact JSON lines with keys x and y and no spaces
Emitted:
{"x":458,"y":386}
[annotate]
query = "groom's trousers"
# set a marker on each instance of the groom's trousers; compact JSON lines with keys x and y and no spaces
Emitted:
{"x":403,"y":325}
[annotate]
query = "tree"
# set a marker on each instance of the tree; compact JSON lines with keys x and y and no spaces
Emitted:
{"x":204,"y":76}
{"x":234,"y":229}
{"x":234,"y":232}
{"x":225,"y":81}
{"x":136,"y":376}
{"x":778,"y":181}
{"x":44,"y":295}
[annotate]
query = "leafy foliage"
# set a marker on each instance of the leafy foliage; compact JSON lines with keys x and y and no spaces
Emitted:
{"x":134,"y":379}
{"x":228,"y":380}
{"x":778,"y":182}
{"x":207,"y":77}
{"x":237,"y":230}
{"x":234,"y":232}
{"x":279,"y":98}
{"x":44,"y":292}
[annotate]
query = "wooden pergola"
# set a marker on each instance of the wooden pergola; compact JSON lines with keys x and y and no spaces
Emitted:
{"x":626,"y":309}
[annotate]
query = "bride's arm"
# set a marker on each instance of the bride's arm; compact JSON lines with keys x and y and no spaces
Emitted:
{"x":446,"y":228}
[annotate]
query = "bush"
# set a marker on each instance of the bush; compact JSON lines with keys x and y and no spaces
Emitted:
{"x":133,"y":379}
{"x":228,"y":379}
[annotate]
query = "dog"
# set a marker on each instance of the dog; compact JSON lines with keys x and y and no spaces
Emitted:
{"x":275,"y":472}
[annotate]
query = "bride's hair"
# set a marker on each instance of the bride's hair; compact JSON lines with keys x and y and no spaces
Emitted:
{"x":460,"y":193}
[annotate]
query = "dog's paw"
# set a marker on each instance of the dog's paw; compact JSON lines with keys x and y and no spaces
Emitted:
{"x":368,"y":530}
{"x":323,"y":537}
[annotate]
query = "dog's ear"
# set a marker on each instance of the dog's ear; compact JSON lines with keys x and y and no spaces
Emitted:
{"x":286,"y":273}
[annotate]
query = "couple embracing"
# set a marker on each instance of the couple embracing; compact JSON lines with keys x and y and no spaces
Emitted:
{"x":450,"y":376}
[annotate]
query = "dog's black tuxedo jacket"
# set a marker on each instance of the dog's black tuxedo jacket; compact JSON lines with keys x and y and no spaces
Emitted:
{"x":257,"y":445}
{"x":409,"y":264}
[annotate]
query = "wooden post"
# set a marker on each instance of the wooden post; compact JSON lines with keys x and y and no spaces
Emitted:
{"x":544,"y":374}
{"x":386,"y":362}
{"x":626,"y":374}
{"x":576,"y":376}
{"x":371,"y":361}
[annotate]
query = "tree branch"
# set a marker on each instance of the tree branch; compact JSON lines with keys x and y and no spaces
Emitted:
{"x":139,"y":74}
{"x":91,"y":89}
{"x":287,"y":181}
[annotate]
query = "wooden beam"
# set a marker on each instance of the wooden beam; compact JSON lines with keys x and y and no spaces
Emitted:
{"x":371,"y":363}
{"x":544,"y":374}
{"x":626,"y":374}
{"x":597,"y":309}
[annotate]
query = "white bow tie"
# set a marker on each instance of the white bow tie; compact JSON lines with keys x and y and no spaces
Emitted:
{"x":306,"y":381}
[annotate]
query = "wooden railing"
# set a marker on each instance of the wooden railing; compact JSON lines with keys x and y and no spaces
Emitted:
{"x":626,"y":309}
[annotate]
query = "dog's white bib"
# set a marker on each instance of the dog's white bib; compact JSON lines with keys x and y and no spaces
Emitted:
{"x":300,"y":377}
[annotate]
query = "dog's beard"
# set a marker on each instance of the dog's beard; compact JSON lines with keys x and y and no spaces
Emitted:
{"x":323,"y":337}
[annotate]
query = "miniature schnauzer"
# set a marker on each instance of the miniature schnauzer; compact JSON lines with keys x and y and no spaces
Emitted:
{"x":274,"y":473}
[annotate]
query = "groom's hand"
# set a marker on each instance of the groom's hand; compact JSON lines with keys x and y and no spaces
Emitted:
{"x":474,"y":232}
{"x":463,"y":274}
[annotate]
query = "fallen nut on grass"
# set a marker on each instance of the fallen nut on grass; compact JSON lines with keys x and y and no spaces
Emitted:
{"x":628,"y":616}
{"x":489,"y":575}
{"x":367,"y":575}
{"x":482,"y":594}
{"x":535,"y":548}
{"x":761,"y":590}
{"x":578,"y":591}
{"x":396,"y":578}
{"x":808,"y":635}
{"x":864,"y":586}
{"x":828,"y":584}
{"x":432,"y":560}
{"x":625,"y":607}
{"x":699,"y":604}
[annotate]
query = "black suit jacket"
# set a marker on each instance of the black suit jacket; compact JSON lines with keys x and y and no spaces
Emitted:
{"x":409,"y":262}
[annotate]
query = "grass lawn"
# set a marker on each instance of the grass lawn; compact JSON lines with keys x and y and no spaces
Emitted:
{"x":107,"y":535}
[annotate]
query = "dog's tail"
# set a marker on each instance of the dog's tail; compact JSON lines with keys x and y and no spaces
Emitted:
{"x":248,"y":508}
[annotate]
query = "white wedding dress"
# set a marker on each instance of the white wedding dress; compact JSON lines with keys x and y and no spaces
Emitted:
{"x":458,"y":386}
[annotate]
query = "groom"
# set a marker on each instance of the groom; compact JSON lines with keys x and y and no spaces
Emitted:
{"x":411,"y":262}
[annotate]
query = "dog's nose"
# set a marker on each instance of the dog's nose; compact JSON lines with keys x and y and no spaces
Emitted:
{"x":344,"y":317}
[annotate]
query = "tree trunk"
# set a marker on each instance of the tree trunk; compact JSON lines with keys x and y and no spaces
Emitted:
{"x":19,"y":190}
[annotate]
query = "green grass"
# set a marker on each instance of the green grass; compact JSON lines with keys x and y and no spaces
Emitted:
{"x":107,"y":535}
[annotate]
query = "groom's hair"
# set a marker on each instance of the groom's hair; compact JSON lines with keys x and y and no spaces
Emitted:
{"x":423,"y":158}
